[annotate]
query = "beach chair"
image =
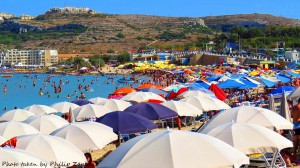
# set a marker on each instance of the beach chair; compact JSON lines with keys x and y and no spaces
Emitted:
{"x":268,"y":160}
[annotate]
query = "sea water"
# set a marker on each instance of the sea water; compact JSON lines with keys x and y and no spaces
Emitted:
{"x":21,"y":91}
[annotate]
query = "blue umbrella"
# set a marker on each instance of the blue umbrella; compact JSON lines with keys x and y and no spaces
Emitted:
{"x":152,"y":111}
{"x":81,"y":102}
{"x":200,"y":83}
{"x":283,"y":78}
{"x":153,"y":90}
{"x":267,"y":82}
{"x":126,"y":123}
{"x":282,"y":89}
{"x":248,"y":84}
{"x":230,"y":83}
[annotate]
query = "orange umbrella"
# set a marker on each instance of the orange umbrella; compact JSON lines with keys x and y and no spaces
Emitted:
{"x":123,"y":91}
{"x":145,"y":86}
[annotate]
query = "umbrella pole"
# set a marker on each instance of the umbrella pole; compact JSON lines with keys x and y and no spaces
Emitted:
{"x":178,"y":123}
{"x":119,"y":139}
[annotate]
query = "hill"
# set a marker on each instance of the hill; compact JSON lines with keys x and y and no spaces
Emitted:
{"x":97,"y":33}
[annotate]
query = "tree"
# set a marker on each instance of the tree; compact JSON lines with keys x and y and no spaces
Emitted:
{"x":106,"y":58}
{"x":95,"y":60}
{"x":125,"y":57}
{"x":110,"y":51}
{"x":80,"y":62}
{"x":120,"y":35}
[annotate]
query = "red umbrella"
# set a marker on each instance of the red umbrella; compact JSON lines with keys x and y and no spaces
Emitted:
{"x":174,"y":94}
{"x":220,"y":94}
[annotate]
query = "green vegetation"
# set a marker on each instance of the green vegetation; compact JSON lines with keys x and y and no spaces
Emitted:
{"x":96,"y":61}
{"x":144,"y":38}
{"x":125,"y":57}
{"x":168,"y":35}
{"x":120,"y":35}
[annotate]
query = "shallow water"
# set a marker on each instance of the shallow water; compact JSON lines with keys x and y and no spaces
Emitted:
{"x":21,"y":92}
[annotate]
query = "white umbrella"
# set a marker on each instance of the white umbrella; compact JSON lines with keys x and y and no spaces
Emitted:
{"x":14,"y":158}
{"x":249,"y":138}
{"x":2,"y":140}
{"x":174,"y":86}
{"x":117,"y":105}
{"x":87,"y":135}
{"x":46,"y":123}
{"x":284,"y":108}
{"x":295,"y":94}
{"x":192,"y":93}
{"x":12,"y":129}
{"x":41,"y":109}
{"x":251,"y":115}
{"x":90,"y":111}
{"x":271,"y":103}
{"x":52,"y":149}
{"x":16,"y":115}
{"x":206,"y":103}
{"x":64,"y":106}
{"x":142,"y":96}
{"x":168,"y":149}
{"x":183,"y":108}
{"x":98,"y":100}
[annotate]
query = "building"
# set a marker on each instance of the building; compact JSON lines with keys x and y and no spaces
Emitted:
{"x":26,"y":17}
{"x":30,"y":58}
{"x":6,"y":15}
{"x":292,"y":55}
{"x":71,"y":10}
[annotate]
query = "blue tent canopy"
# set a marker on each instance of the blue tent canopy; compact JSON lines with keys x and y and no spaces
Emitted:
{"x":248,"y":84}
{"x":201,"y":84}
{"x":282,"y":89}
{"x":267,"y":82}
{"x":214,"y":78}
{"x":230,"y":83}
{"x":296,"y":75}
{"x":283,"y":78}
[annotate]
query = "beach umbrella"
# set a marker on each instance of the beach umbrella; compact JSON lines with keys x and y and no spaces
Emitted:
{"x":40,"y":109}
{"x":2,"y":140}
{"x":12,"y":129}
{"x":283,"y":78}
{"x":192,"y":93}
{"x":16,"y":115}
{"x":231,"y":83}
{"x":267,"y":82}
{"x":142,"y":96}
{"x":81,"y":102}
{"x":46,"y":123}
{"x":249,"y":138}
{"x":171,"y":148}
{"x":154,"y":90}
{"x":200,"y":83}
{"x":145,"y":86}
{"x":87,"y":135}
{"x":295,"y":94}
{"x":124,"y":91}
{"x":90,"y":111}
{"x":271,"y":103}
{"x":175,"y":92}
{"x":173,"y":86}
{"x":116,"y":105}
{"x":98,"y":100}
{"x":151,"y":111}
{"x":220,"y":94}
{"x":251,"y":115}
{"x":126,"y":123}
{"x":64,"y":107}
{"x":14,"y":158}
{"x":282,"y":89}
{"x":206,"y":103}
{"x":284,"y":108}
{"x":183,"y":108}
{"x":51,"y":149}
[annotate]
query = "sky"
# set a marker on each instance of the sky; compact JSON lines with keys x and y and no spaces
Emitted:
{"x":181,"y":8}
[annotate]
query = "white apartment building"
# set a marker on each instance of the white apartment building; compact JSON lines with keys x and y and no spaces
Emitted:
{"x":6,"y":15}
{"x":30,"y":58}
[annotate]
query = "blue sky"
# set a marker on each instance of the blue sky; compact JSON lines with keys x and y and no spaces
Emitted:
{"x":192,"y":8}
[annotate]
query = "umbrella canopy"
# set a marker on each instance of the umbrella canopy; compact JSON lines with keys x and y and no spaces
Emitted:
{"x":116,"y":105}
{"x":2,"y":140}
{"x":231,"y":83}
{"x":284,"y":108}
{"x":271,"y":103}
{"x":174,"y":86}
{"x":142,"y":96}
{"x":220,"y":94}
{"x":206,"y":103}
{"x":249,"y":138}
{"x":10,"y":156}
{"x":98,"y":100}
{"x":40,"y":109}
{"x":16,"y":115}
{"x":64,"y":107}
{"x":267,"y":82}
{"x":183,"y":108}
{"x":12,"y":129}
{"x":294,"y":94}
{"x":126,"y":123}
{"x":175,"y":92}
{"x":283,"y":78}
{"x":172,"y":148}
{"x":201,"y":84}
{"x":81,"y":102}
{"x":124,"y":91}
{"x":248,"y":83}
{"x":154,"y":90}
{"x":51,"y":149}
{"x":152,"y":111}
{"x":145,"y":86}
{"x":46,"y":123}
{"x":251,"y":115}
{"x":90,"y":111}
{"x":86,"y":135}
{"x":192,"y":93}
{"x":282,"y":89}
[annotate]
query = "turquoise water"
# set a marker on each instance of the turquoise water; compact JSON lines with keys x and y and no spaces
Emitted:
{"x":21,"y":92}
